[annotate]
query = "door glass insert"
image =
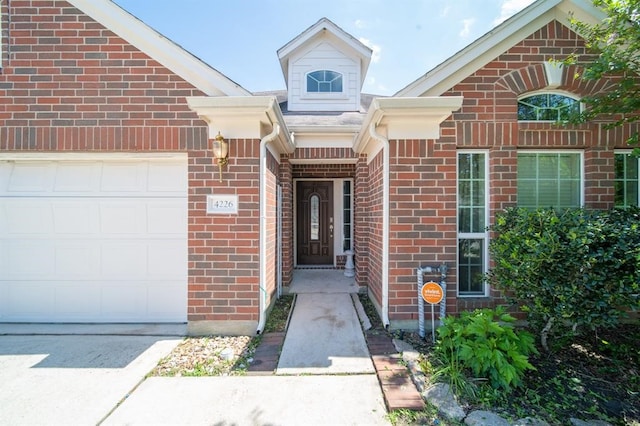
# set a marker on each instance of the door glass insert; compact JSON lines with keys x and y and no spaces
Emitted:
{"x":314,"y":202}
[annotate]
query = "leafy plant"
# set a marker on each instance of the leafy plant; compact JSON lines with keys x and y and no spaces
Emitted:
{"x":576,"y":267}
{"x":613,"y":45}
{"x":485,"y":343}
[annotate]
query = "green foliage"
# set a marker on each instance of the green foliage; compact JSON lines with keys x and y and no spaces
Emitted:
{"x":614,"y":47}
{"x":575,"y":267}
{"x":279,"y":315}
{"x":485,"y":343}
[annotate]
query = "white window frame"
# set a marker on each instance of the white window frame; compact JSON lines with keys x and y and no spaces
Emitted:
{"x":325,"y":95}
{"x":580,"y":152}
{"x":547,"y":92}
{"x":474,"y":235}
{"x":342,"y":209}
{"x":628,"y":152}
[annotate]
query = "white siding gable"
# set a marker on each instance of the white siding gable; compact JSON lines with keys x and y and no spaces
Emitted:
{"x":323,"y":55}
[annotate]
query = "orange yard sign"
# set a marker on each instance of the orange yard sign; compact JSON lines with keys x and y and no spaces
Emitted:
{"x":432,"y":292}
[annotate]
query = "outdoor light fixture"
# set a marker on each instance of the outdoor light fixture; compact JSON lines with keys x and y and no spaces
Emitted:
{"x":220,"y":150}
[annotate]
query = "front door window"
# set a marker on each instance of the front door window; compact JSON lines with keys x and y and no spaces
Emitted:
{"x":314,"y":217}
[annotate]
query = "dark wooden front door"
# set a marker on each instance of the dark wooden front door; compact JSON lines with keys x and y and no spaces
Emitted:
{"x":315,"y":223}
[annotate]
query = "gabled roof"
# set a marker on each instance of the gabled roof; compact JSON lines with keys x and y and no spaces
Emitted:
{"x":497,"y":41}
{"x":323,"y":28}
{"x":169,"y":54}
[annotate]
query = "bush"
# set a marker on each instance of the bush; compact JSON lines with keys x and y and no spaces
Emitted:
{"x":485,"y":343}
{"x":570,"y":268}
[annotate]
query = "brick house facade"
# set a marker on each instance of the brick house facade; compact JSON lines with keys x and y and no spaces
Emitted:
{"x":86,"y":88}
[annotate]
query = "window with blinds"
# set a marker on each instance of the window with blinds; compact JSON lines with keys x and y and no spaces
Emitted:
{"x":549,"y":179}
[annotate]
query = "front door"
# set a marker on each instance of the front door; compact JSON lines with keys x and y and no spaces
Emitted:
{"x":314,"y":222}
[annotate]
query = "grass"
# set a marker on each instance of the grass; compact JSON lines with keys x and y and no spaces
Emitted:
{"x":278,"y":318}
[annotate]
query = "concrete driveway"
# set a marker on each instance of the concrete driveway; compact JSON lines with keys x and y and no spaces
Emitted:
{"x":72,"y":379}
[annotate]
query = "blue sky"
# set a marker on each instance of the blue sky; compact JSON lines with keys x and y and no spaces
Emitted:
{"x":240,"y":38}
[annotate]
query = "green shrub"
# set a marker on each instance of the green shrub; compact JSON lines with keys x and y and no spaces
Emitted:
{"x":485,"y":343}
{"x":571,"y":268}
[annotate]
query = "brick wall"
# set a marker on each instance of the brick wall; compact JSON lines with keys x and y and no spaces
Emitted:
{"x":268,"y":287}
{"x":4,"y":32}
{"x":361,"y":205}
{"x":422,"y":218}
{"x":323,"y":171}
{"x":368,"y":222}
{"x":286,"y":180}
{"x":224,"y":252}
{"x":67,"y":83}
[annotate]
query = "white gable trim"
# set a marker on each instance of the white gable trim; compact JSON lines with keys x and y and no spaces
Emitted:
{"x":497,"y":41}
{"x":342,"y":40}
{"x":186,"y":65}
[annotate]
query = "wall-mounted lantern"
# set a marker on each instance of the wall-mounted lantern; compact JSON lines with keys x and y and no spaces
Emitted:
{"x":220,"y":149}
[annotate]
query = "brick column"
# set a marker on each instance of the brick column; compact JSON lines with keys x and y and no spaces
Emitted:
{"x":224,"y":249}
{"x":286,"y":181}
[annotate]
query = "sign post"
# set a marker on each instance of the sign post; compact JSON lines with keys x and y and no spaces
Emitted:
{"x":432,"y":294}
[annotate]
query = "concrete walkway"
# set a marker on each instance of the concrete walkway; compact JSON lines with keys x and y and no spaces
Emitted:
{"x":324,"y":337}
{"x":254,"y":400}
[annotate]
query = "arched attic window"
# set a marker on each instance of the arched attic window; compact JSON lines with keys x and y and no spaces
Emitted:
{"x":547,"y":106}
{"x":324,"y":81}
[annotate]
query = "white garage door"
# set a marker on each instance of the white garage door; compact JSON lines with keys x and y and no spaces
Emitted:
{"x":101,"y":239}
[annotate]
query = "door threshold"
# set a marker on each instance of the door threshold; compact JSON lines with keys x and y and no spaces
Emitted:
{"x":314,"y":267}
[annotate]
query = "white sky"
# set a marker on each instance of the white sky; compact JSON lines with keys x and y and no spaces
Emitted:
{"x":240,"y":38}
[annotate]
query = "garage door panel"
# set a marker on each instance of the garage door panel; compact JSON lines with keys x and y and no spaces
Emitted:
{"x":162,"y":300}
{"x":166,"y":260}
{"x":31,"y":259}
{"x":75,"y":218}
{"x":29,"y":177}
{"x":76,"y":177}
{"x":27,"y":217}
{"x":121,"y":302}
{"x":121,"y":217}
{"x":77,"y":302}
{"x":123,"y":177}
{"x":76,"y":260}
{"x":166,"y":178}
{"x":124,"y":261}
{"x":166,"y":217}
{"x":93,"y":241}
{"x":31,"y":299}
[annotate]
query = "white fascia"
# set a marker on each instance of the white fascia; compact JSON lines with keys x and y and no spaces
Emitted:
{"x":158,"y":47}
{"x":243,"y":117}
{"x":324,"y":136}
{"x":405,"y":118}
{"x":482,"y":51}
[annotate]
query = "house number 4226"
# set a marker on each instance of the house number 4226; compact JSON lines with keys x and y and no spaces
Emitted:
{"x":222,"y":204}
